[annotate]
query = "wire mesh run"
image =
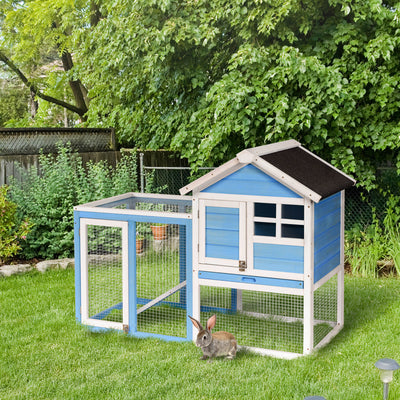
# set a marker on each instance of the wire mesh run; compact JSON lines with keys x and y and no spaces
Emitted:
{"x":105,"y":273}
{"x":161,"y":279}
{"x":325,"y":309}
{"x":257,"y":319}
{"x":144,"y":203}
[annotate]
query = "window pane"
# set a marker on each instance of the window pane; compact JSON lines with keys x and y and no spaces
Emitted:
{"x":293,"y":231}
{"x":264,"y":229}
{"x":265,"y":210}
{"x":292,"y":212}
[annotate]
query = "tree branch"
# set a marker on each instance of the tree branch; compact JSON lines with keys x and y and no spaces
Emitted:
{"x":34,"y":89}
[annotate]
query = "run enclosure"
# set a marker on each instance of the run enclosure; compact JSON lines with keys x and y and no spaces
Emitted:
{"x":142,"y":291}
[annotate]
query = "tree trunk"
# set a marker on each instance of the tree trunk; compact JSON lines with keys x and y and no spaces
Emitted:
{"x":75,"y":86}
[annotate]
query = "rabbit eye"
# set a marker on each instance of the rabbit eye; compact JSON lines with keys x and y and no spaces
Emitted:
{"x":204,"y":337}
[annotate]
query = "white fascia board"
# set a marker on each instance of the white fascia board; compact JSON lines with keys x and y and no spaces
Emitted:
{"x":274,"y":147}
{"x":286,"y":180}
{"x":212,"y":177}
{"x":246,"y":156}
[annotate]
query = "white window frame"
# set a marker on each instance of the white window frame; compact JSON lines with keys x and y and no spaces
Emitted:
{"x":278,"y":221}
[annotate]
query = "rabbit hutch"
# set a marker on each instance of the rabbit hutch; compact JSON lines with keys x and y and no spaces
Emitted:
{"x":259,"y":243}
{"x":268,"y":242}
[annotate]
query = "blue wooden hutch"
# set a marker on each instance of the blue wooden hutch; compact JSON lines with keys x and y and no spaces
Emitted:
{"x":272,"y":220}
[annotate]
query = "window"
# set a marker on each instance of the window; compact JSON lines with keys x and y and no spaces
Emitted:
{"x":279,"y":220}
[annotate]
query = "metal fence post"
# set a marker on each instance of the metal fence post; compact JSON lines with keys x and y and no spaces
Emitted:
{"x":141,"y":158}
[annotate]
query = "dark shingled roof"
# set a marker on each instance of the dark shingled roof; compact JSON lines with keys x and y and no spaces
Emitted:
{"x":309,"y":170}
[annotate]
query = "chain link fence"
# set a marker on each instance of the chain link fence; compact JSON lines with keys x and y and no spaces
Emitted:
{"x":14,"y":141}
{"x":361,"y":206}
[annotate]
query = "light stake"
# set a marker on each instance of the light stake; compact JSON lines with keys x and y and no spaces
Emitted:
{"x":386,"y":367}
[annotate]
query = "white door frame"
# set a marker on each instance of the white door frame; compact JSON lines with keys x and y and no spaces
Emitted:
{"x":84,"y":222}
{"x":241,"y":206}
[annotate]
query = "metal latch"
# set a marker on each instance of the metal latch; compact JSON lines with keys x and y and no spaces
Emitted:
{"x":242,"y":266}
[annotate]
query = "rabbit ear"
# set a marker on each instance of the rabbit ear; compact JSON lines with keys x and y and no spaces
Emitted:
{"x":211,"y":322}
{"x":196,"y":323}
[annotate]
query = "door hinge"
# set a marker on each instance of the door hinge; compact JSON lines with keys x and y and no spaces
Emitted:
{"x":125,"y":328}
{"x":242,"y":266}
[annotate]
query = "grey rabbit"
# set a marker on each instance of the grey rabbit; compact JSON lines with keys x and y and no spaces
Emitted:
{"x":214,"y":344}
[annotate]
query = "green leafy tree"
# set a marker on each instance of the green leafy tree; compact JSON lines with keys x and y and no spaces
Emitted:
{"x":14,"y":101}
{"x":37,"y":43}
{"x":209,"y":78}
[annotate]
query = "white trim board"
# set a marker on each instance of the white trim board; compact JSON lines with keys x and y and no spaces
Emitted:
{"x":134,"y":195}
{"x":143,"y":213}
{"x":86,"y":320}
{"x":285,"y":355}
{"x":250,"y":286}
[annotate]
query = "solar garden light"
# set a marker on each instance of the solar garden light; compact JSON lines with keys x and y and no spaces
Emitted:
{"x":386,"y":367}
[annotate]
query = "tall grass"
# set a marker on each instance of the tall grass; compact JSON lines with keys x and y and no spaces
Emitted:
{"x":45,"y":354}
{"x":372,"y":248}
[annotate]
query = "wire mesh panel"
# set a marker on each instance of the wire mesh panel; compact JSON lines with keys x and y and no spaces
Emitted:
{"x":261,"y":320}
{"x":325,"y":309}
{"x":161,"y":279}
{"x":171,"y":179}
{"x":104,"y":296}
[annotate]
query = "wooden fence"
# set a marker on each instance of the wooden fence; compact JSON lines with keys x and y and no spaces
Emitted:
{"x":20,"y":149}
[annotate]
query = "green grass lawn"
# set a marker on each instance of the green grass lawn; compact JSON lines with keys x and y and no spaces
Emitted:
{"x":45,"y":354}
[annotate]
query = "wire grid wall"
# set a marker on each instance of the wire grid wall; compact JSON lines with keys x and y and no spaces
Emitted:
{"x":261,"y":320}
{"x":169,"y":179}
{"x":105,"y":273}
{"x":325,"y":309}
{"x":161,"y":280}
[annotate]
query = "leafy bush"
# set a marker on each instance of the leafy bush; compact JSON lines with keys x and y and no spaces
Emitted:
{"x":11,"y":231}
{"x":48,"y":194}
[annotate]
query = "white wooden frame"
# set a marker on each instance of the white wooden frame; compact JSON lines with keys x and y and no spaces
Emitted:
{"x":86,"y":320}
{"x":308,"y":325}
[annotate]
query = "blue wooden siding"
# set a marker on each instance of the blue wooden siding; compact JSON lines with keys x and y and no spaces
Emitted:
{"x":222,"y":233}
{"x":327,"y":236}
{"x":281,"y":258}
{"x":256,"y":280}
{"x":249,"y":180}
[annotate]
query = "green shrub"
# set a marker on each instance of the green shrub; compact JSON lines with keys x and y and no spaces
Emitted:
{"x":48,"y":194}
{"x":11,"y":230}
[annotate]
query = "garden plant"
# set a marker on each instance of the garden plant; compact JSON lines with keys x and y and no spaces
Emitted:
{"x":48,"y":194}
